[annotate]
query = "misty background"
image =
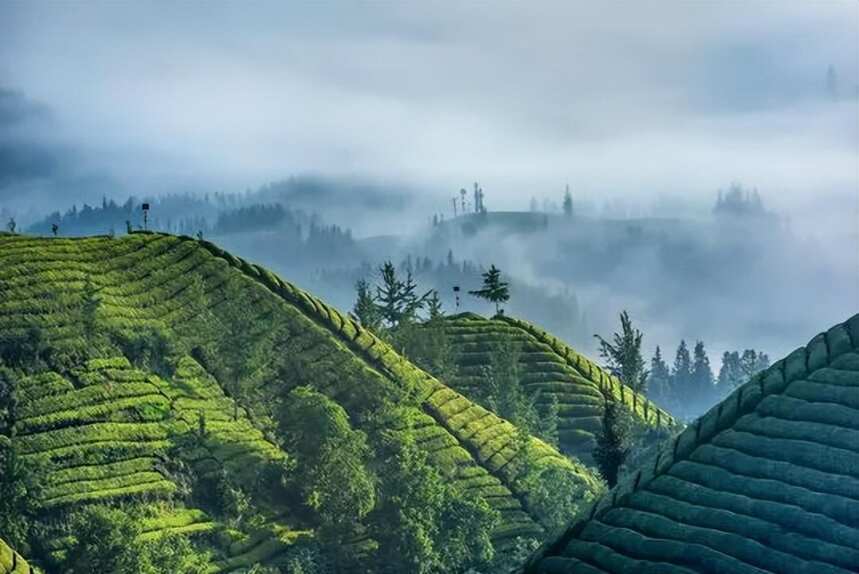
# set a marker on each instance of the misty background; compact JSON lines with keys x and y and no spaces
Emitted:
{"x":321,"y":139}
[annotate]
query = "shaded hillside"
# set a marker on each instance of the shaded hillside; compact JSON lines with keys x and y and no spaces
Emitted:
{"x":151,"y":365}
{"x":11,"y":562}
{"x":548,"y":369}
{"x":766,"y":481}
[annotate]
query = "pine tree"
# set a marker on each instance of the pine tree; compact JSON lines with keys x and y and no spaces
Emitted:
{"x":659,"y":381}
{"x":434,"y":306}
{"x":613,"y":441}
{"x":623,"y":354}
{"x":730,"y":374}
{"x":568,"y":202}
{"x":494,"y":289}
{"x":681,"y":374}
{"x":389,"y":295}
{"x":365,"y":308}
{"x":702,"y":373}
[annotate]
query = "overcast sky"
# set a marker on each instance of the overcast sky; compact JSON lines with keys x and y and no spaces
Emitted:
{"x":630,"y":98}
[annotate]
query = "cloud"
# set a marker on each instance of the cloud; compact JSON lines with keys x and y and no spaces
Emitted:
{"x":621,"y":100}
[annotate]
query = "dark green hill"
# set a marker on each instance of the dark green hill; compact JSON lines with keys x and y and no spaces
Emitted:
{"x":551,"y":370}
{"x":766,"y":481}
{"x":146,"y":362}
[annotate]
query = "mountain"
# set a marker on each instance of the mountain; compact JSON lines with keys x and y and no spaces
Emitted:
{"x":766,"y":481}
{"x":549,"y":370}
{"x":151,"y":374}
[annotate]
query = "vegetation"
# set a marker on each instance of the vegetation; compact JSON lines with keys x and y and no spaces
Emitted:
{"x":527,"y":376}
{"x":613,"y":442}
{"x":623,"y":355}
{"x":494,"y":289}
{"x":162,"y":378}
{"x":765,"y":481}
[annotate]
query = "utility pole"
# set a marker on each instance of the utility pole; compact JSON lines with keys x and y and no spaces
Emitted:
{"x":145,"y":208}
{"x":456,"y":294}
{"x":454,"y":206}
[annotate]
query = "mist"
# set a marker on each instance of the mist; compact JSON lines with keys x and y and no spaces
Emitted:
{"x":371,"y":117}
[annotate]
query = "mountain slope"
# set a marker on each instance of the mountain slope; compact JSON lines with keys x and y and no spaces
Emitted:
{"x":549,"y":368}
{"x":111,"y":418}
{"x":766,"y":481}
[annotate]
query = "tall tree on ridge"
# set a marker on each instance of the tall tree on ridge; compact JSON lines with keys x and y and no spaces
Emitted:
{"x":659,"y":381}
{"x":623,"y":355}
{"x":494,"y":289}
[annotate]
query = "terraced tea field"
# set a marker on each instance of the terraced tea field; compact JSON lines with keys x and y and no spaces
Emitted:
{"x":12,"y":563}
{"x":107,"y":425}
{"x":766,"y":481}
{"x":548,"y":368}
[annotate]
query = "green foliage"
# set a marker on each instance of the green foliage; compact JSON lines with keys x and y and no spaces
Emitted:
{"x":494,"y":289}
{"x":613,"y":441}
{"x":623,"y":354}
{"x":556,"y":494}
{"x":422,"y":522}
{"x":331,"y":460}
{"x":365,"y":308}
{"x":398,"y":300}
{"x":106,"y":540}
{"x":428,"y":346}
{"x":20,"y":490}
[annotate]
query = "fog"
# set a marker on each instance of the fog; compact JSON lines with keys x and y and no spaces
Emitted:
{"x":381,"y":112}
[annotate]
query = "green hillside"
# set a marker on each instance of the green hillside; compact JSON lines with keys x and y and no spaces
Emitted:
{"x":151,"y":368}
{"x":11,"y":562}
{"x":766,"y":481}
{"x":548,"y":369}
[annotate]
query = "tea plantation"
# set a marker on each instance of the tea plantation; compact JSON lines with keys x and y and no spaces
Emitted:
{"x":766,"y":481}
{"x":148,"y":374}
{"x":548,"y":369}
{"x":11,"y":562}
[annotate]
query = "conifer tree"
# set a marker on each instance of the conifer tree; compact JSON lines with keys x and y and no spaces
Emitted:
{"x":623,"y":355}
{"x":494,"y":289}
{"x":681,"y":374}
{"x":434,"y":306}
{"x":568,"y":202}
{"x":613,"y":441}
{"x":365,"y":308}
{"x":659,"y":381}
{"x":730,"y":374}
{"x":702,"y":373}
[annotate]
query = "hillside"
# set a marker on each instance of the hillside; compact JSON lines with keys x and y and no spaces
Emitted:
{"x":548,"y":369}
{"x":11,"y":562}
{"x":150,"y":368}
{"x":766,"y":481}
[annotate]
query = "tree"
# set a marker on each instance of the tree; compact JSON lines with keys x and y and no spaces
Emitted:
{"x":397,"y":300}
{"x":365,"y":308}
{"x":494,"y":289}
{"x":20,"y":491}
{"x":613,"y":441}
{"x":422,"y":522}
{"x":568,"y":202}
{"x":681,"y":374}
{"x":11,"y":225}
{"x":659,"y":380}
{"x":623,"y":355}
{"x":330,"y":460}
{"x":434,"y":306}
{"x":752,"y":362}
{"x":730,"y":373}
{"x":702,"y":373}
{"x":104,"y":542}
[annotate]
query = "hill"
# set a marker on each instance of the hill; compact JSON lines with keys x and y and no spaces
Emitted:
{"x":548,"y":369}
{"x":766,"y":481}
{"x":154,"y":371}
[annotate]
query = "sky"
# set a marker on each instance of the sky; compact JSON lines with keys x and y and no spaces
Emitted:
{"x":618,"y":99}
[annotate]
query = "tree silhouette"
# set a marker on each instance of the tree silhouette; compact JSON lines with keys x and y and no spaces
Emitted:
{"x":623,"y":354}
{"x":494,"y":289}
